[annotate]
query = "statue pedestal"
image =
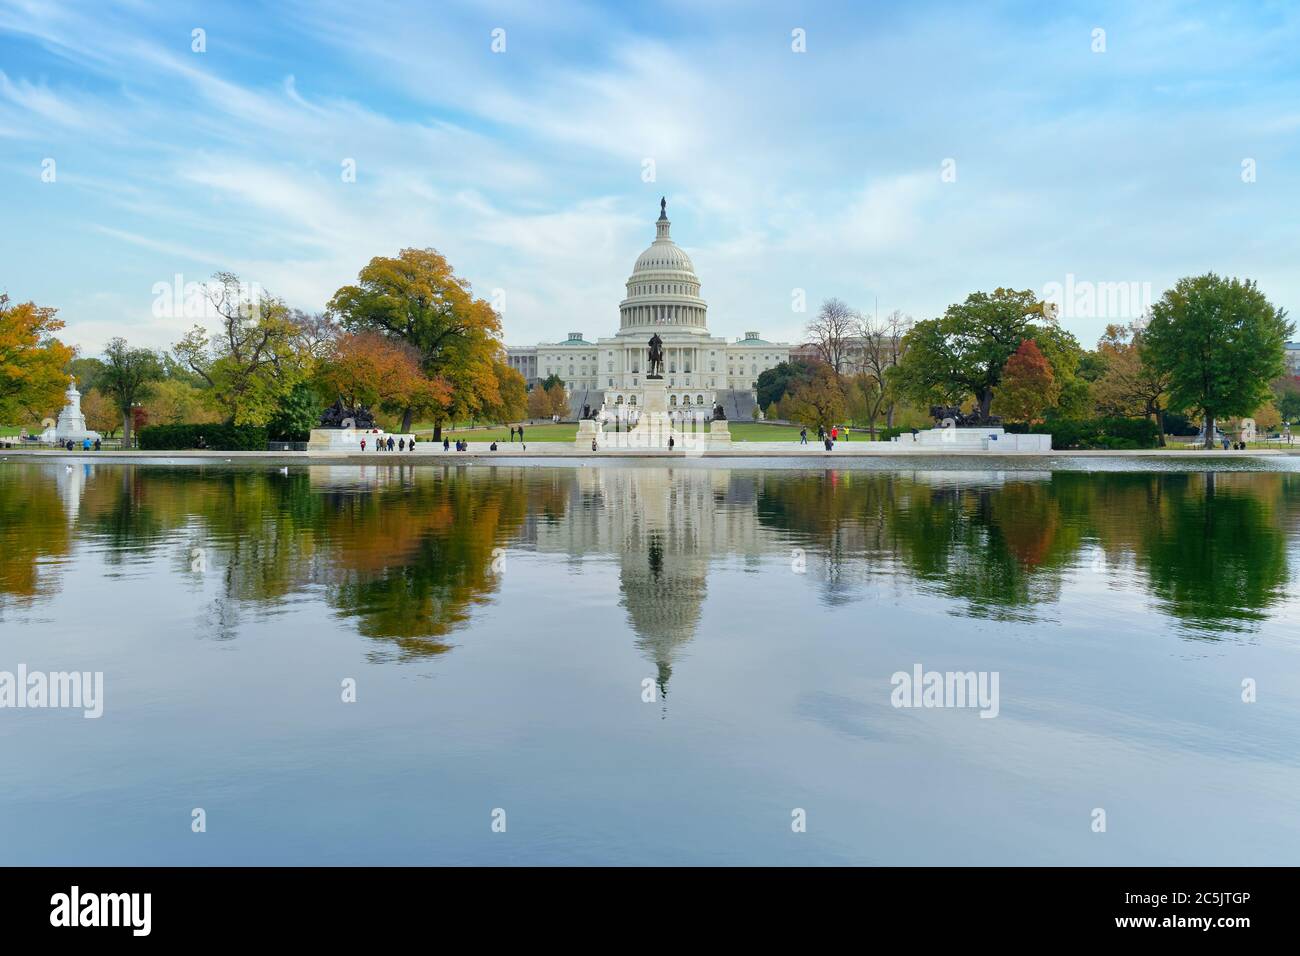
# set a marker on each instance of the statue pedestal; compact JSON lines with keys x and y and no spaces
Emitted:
{"x":589,"y":430}
{"x":347,"y":441}
{"x":653,"y":428}
{"x":719,"y":433}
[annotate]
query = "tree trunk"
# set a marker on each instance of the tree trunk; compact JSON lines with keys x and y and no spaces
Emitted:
{"x":986,"y":400}
{"x":889,"y":416}
{"x":437,"y":431}
{"x":1160,"y":422}
{"x":126,"y":429}
{"x":406,"y":420}
{"x":1209,"y":427}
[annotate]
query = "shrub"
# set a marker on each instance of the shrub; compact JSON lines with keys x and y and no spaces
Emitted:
{"x":215,"y":437}
{"x":1101,"y":433}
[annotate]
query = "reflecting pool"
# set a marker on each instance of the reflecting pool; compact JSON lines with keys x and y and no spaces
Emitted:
{"x":638,"y":664}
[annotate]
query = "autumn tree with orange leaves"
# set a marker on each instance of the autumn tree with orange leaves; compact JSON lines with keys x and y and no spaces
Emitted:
{"x":1028,"y":385}
{"x":367,"y":368}
{"x":32,"y":361}
{"x":416,"y":299}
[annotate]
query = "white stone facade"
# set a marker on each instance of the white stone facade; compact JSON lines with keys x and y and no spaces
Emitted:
{"x":663,"y":296}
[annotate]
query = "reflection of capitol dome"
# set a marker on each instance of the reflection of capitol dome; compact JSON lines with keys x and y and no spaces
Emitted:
{"x":663,"y":291}
{"x":663,"y":594}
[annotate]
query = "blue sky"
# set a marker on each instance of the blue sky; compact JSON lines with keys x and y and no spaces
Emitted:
{"x":819,"y":170}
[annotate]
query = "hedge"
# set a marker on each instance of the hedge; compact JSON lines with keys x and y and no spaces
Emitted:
{"x":215,"y":437}
{"x":1101,"y":433}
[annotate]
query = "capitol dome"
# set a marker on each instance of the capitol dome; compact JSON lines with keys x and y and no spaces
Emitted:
{"x":663,"y":292}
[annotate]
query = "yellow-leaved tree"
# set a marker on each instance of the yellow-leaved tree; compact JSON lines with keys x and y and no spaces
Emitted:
{"x":32,"y":362}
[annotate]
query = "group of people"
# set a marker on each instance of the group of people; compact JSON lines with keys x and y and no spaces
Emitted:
{"x":86,"y":445}
{"x":517,"y":429}
{"x":827,"y":438}
{"x":400,"y":445}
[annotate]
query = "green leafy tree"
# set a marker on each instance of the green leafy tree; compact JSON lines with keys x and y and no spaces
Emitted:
{"x":774,"y":383}
{"x":127,"y":380}
{"x":1220,"y":342}
{"x":962,"y":354}
{"x":296,"y":415}
{"x":254,"y":356}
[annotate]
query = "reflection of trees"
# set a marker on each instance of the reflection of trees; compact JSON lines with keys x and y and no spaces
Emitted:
{"x":33,"y":529}
{"x":411,"y":561}
{"x":1214,"y":553}
{"x":407,"y":551}
{"x":1212,"y":548}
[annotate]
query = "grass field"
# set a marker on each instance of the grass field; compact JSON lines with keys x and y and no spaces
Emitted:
{"x":568,"y":431}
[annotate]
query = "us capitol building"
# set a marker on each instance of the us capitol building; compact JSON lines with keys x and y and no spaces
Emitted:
{"x":700,"y":369}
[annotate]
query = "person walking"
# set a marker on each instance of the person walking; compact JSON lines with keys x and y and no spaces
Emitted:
{"x":821,"y":433}
{"x":803,"y":435}
{"x":401,"y":444}
{"x":410,"y":446}
{"x":98,"y":446}
{"x":446,"y":443}
{"x":835,"y":433}
{"x":363,"y":444}
{"x":512,"y":434}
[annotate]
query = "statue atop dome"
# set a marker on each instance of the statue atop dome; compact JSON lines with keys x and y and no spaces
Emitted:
{"x":663,"y":208}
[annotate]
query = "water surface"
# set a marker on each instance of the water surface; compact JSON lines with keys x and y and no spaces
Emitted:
{"x":504,"y":625}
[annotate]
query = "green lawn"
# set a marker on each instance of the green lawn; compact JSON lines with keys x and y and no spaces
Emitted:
{"x":9,"y":431}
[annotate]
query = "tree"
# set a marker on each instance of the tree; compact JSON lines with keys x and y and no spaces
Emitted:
{"x":819,"y":401}
{"x":174,"y":401}
{"x":296,"y":415}
{"x":417,"y":299}
{"x":127,"y":380}
{"x":551,"y":381}
{"x":101,"y":413}
{"x":882,"y":347}
{"x":1028,"y":385}
{"x":1128,"y":385}
{"x":774,"y":383}
{"x":371,"y":369}
{"x":962,"y":354}
{"x":86,"y":372}
{"x":1286,"y":396}
{"x":559,"y":401}
{"x":1220,"y":342}
{"x":32,"y":361}
{"x":255,"y":356}
{"x":831,"y":332}
{"x":513,"y":391}
{"x":539,"y":403}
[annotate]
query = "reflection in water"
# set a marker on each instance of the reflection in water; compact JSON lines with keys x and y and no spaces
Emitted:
{"x":408,"y":552}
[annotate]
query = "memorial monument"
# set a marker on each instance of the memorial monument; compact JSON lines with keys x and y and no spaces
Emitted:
{"x":71,"y":425}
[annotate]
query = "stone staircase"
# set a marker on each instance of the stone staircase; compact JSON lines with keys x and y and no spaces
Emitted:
{"x":587,"y":396}
{"x":738,"y":403}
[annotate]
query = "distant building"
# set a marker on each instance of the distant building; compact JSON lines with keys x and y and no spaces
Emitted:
{"x":1293,"y":359}
{"x":663,"y":296}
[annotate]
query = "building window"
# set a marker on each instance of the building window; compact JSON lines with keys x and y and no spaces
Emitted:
{"x":632,"y":398}
{"x":699,"y":399}
{"x":672,"y":400}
